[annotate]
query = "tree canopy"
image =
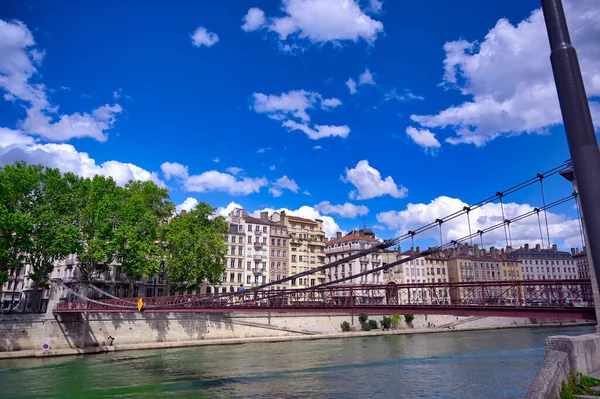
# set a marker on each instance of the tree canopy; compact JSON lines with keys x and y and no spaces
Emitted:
{"x":46,"y":215}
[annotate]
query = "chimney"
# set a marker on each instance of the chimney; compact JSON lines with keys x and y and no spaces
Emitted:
{"x":183,"y":212}
{"x":554,"y":248}
{"x":264,"y":215}
{"x":527,"y":247}
{"x":493,"y":252}
{"x":573,"y":251}
{"x":483,"y":252}
{"x":537,"y":247}
{"x":282,"y":213}
{"x":509,"y":249}
{"x":502,"y":252}
{"x":338,"y":235}
{"x":418,"y":250}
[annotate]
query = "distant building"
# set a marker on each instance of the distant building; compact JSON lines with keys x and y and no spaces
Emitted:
{"x":544,"y":264}
{"x":582,"y":263}
{"x":344,"y":246}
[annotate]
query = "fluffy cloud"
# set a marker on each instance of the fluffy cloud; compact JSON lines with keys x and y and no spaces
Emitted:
{"x":405,"y":96}
{"x":329,"y":224}
{"x":187,"y":205}
{"x":509,"y":77}
{"x":317,"y":21}
{"x":319,"y":131}
{"x":202,"y":37}
{"x":234,"y":170}
{"x":369,"y":184}
{"x":76,"y":125}
{"x":254,"y":20}
{"x":366,"y":78}
{"x":16,"y":146}
{"x":213,"y":180}
{"x":283,"y":183}
{"x":375,"y":6}
{"x":224,"y":211}
{"x":346,"y":210}
{"x":423,"y":138}
{"x":272,"y":167}
{"x":523,"y":231}
{"x":174,"y":169}
{"x":351,"y":85}
{"x":295,"y":104}
{"x":18,"y":58}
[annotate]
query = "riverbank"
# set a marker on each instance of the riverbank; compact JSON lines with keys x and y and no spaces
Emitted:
{"x":238,"y":341}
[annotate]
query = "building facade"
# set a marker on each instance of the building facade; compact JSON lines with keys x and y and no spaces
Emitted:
{"x":544,"y":264}
{"x":342,"y":247}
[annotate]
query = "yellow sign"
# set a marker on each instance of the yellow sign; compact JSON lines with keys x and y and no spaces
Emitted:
{"x":140,"y":304}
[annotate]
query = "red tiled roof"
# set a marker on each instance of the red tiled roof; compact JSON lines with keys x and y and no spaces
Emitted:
{"x":350,"y":237}
{"x":256,"y":220}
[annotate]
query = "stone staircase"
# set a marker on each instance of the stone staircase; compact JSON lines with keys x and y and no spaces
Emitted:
{"x":457,"y":323}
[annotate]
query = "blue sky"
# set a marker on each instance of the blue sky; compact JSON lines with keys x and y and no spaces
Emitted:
{"x":451,"y":102}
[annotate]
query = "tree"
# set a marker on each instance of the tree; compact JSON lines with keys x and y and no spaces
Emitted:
{"x":143,"y":210}
{"x":17,"y":182}
{"x":53,"y":235}
{"x":408,"y":318}
{"x":95,"y":207}
{"x":395,"y":320}
{"x":195,"y":250}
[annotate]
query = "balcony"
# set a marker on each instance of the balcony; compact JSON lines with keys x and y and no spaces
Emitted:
{"x":257,"y":257}
{"x":258,"y":270}
{"x":257,"y":232}
{"x":258,"y":244}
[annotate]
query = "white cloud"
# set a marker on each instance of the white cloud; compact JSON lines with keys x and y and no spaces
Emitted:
{"x":261,"y":150}
{"x":405,"y":96}
{"x":216,"y":160}
{"x":272,"y":167}
{"x":213,"y":180}
{"x":375,"y":6}
{"x":234,"y":170}
{"x":346,"y":210}
{"x":174,"y":169}
{"x":329,"y":224}
{"x":187,"y":205}
{"x":523,"y":231}
{"x":366,"y":78}
{"x":306,"y":192}
{"x":224,"y":211}
{"x":76,"y":125}
{"x":117,"y":94}
{"x":351,"y":85}
{"x":283,"y":183}
{"x":379,"y":227}
{"x":294,"y":103}
{"x":17,"y":58}
{"x":423,"y":138}
{"x":317,"y":21}
{"x":202,"y":37}
{"x":320,"y":131}
{"x":317,"y":147}
{"x":330,"y":103}
{"x":369,"y":184}
{"x":254,"y":19}
{"x":509,"y":78}
{"x":16,"y":146}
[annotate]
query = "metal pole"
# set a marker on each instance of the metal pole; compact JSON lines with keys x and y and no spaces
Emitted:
{"x":577,"y":119}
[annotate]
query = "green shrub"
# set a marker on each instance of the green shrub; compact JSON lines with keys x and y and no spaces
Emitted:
{"x":571,"y":388}
{"x":363,"y":318}
{"x":395,"y":319}
{"x":373,"y":324}
{"x":346,"y":326}
{"x":408,"y":318}
{"x":386,"y":323}
{"x":366,"y":326}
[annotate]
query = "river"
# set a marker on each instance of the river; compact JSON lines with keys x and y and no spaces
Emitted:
{"x":453,"y":365}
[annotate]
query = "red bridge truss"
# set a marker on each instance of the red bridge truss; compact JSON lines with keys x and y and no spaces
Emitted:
{"x":568,"y":299}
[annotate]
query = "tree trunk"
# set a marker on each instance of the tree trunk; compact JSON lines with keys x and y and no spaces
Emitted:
{"x":35,"y":297}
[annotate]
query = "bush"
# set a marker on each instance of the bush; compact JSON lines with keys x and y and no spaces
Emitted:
{"x":366,"y":326}
{"x":346,"y":326}
{"x":386,"y":323}
{"x":373,"y":324}
{"x":363,"y":318}
{"x":408,"y":318}
{"x":395,"y":319}
{"x":571,"y":387}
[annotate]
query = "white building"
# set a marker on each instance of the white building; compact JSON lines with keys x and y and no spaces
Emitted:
{"x":544,"y":264}
{"x":343,"y":247}
{"x":581,"y":261}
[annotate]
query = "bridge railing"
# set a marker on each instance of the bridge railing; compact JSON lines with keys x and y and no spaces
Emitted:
{"x":556,"y":294}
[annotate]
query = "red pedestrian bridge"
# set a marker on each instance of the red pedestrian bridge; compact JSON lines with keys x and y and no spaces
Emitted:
{"x":566,"y":299}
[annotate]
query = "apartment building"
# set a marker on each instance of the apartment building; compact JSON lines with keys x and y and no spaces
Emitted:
{"x":280,"y":252}
{"x":235,"y":259}
{"x":581,"y":262}
{"x":307,"y":247}
{"x":257,"y":250}
{"x":544,"y":264}
{"x":344,"y":246}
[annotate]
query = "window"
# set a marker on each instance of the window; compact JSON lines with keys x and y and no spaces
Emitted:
{"x":264,"y":229}
{"x":272,"y":241}
{"x":284,"y":254}
{"x":248,"y":280}
{"x":233,"y":239}
{"x":232,"y":263}
{"x":265,"y":240}
{"x":249,"y":239}
{"x":227,"y":238}
{"x":224,"y":290}
{"x":232,"y":277}
{"x":248,"y":265}
{"x":240,"y":251}
{"x":284,"y":242}
{"x":249,"y":227}
{"x":240,"y":263}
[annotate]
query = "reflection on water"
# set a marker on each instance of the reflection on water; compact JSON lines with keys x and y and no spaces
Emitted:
{"x":482,"y":364}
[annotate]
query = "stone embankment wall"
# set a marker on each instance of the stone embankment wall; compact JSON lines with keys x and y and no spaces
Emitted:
{"x":565,"y":354}
{"x":33,"y":332}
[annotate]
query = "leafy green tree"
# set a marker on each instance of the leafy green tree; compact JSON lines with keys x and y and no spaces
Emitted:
{"x":408,"y":318}
{"x":195,"y":250}
{"x":96,"y":203}
{"x":17,"y":182}
{"x":53,"y":235}
{"x":143,"y":210}
{"x":395,"y":320}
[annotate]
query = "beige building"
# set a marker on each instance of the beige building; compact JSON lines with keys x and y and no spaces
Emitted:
{"x":307,"y":247}
{"x":280,"y":252}
{"x":582,"y":263}
{"x":342,"y":247}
